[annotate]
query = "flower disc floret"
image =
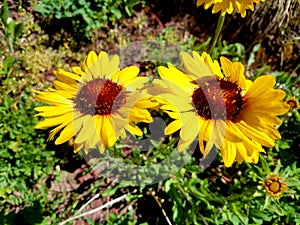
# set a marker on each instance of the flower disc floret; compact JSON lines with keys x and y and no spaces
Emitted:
{"x":214,"y":92}
{"x":99,"y":97}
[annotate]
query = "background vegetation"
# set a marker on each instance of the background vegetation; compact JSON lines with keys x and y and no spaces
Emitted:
{"x":41,"y":183}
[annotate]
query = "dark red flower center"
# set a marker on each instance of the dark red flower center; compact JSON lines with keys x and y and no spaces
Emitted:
{"x":275,"y":185}
{"x":293,"y":103}
{"x":99,"y":97}
{"x":217,"y":98}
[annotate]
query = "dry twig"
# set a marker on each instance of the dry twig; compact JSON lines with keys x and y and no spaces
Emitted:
{"x":106,"y":205}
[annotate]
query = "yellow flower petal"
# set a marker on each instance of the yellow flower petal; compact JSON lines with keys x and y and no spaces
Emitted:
{"x":173,"y":127}
{"x":260,"y":85}
{"x":135,"y":130}
{"x":174,"y":75}
{"x":52,"y":98}
{"x":89,"y":60}
{"x":127,"y":75}
{"x":259,"y":136}
{"x":50,"y":111}
{"x":234,"y":72}
{"x":54,"y":121}
{"x":78,"y":71}
{"x":195,"y":66}
{"x":108,"y":135}
{"x":213,"y":65}
{"x":66,"y":134}
{"x":88,"y":129}
{"x":228,"y":152}
{"x":66,"y":77}
{"x":66,"y":87}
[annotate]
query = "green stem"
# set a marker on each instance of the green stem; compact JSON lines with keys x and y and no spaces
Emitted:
{"x":217,"y":34}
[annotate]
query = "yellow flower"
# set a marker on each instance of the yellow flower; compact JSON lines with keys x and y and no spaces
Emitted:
{"x":227,"y":6}
{"x":293,"y":103}
{"x":226,"y":110}
{"x":96,"y":103}
{"x":274,"y":185}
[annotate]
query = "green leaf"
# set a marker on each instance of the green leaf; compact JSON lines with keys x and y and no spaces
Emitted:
{"x":131,"y":3}
{"x":4,"y":13}
{"x":277,"y":168}
{"x":276,"y":208}
{"x":264,"y":164}
{"x":11,"y":29}
{"x":251,"y":59}
{"x":112,"y":190}
{"x":132,"y":197}
{"x":256,"y":213}
{"x":19,"y":30}
{"x":257,"y":220}
{"x":128,"y":11}
{"x":233,"y":218}
{"x":168,"y":184}
{"x":267,"y":202}
{"x":241,"y":215}
{"x":293,"y":182}
{"x":14,"y":146}
{"x":8,"y":63}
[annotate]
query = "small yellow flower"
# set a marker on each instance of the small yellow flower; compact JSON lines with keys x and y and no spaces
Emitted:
{"x":227,"y":6}
{"x":97,"y":103}
{"x":293,"y":103}
{"x":236,"y":115}
{"x":274,"y":185}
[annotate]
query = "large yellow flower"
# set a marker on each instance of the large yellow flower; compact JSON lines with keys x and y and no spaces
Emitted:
{"x":227,"y":6}
{"x":226,"y":110}
{"x":96,"y":103}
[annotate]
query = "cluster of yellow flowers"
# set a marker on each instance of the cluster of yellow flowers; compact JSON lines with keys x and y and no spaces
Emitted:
{"x":99,"y":102}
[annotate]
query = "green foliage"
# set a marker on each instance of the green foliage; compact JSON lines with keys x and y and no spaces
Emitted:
{"x":235,"y":51}
{"x":7,"y":68}
{"x":12,"y":30}
{"x":140,"y":166}
{"x":125,"y":219}
{"x":24,"y":157}
{"x":87,"y":15}
{"x":196,"y":200}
